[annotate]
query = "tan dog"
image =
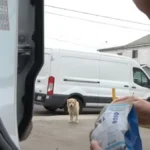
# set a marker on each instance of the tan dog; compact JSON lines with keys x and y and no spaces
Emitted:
{"x":73,"y":109}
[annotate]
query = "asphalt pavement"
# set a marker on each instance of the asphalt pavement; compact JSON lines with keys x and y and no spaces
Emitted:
{"x":41,"y":111}
{"x":53,"y":132}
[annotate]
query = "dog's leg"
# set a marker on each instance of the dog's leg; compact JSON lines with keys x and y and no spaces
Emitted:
{"x":71,"y":118}
{"x":77,"y":120}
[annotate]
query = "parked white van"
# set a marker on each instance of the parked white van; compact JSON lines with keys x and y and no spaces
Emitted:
{"x":88,"y":77}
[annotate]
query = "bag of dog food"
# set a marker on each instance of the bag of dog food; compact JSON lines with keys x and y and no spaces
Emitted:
{"x":117,"y":128}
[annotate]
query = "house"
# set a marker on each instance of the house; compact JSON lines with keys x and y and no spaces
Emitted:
{"x":138,"y":50}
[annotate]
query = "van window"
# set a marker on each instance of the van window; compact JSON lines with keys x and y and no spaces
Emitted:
{"x":140,"y":78}
{"x":114,"y":71}
{"x":79,"y":67}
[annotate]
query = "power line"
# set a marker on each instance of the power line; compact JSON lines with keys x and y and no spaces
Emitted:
{"x":97,"y":15}
{"x":72,"y":17}
{"x":60,"y":40}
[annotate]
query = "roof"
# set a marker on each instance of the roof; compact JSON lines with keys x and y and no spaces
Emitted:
{"x":145,"y":65}
{"x":48,"y":50}
{"x":144,"y":41}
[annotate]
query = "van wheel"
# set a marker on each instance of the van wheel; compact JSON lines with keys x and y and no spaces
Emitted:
{"x":50,"y":108}
{"x":80,"y":104}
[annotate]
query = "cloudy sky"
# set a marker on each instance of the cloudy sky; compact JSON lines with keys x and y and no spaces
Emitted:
{"x":78,"y":31}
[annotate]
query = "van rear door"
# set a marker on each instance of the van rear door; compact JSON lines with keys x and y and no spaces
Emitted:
{"x":43,"y":76}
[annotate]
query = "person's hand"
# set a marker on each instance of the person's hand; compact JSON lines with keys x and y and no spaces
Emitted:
{"x":95,"y":146}
{"x":142,"y":108}
{"x":143,"y":5}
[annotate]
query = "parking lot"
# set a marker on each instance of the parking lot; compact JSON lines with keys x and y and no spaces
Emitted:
{"x":53,"y":132}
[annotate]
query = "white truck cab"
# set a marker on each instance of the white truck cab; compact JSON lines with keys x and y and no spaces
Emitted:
{"x":22,"y":47}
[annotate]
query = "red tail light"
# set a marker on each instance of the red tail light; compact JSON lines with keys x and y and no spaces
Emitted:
{"x":50,"y":87}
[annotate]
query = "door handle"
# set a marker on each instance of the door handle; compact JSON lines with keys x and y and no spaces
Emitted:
{"x":126,"y":86}
{"x":133,"y":87}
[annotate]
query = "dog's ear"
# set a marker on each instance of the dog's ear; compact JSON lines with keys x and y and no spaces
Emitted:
{"x":75,"y":101}
{"x":67,"y":101}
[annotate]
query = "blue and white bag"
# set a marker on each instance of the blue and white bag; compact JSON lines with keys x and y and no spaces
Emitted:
{"x":117,"y":128}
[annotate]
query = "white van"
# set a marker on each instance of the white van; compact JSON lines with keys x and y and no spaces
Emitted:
{"x":89,"y":77}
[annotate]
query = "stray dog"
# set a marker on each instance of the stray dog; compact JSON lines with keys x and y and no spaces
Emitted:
{"x":73,"y":109}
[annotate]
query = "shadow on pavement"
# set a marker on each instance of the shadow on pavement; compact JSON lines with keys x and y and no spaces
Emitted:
{"x":40,"y":111}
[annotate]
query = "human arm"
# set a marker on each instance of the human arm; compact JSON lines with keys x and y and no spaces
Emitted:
{"x":144,"y":6}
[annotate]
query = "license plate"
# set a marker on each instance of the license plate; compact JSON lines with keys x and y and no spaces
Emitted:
{"x":39,"y":98}
{"x":47,"y":97}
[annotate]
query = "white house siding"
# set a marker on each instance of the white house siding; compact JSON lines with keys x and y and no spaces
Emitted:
{"x":143,"y":54}
{"x":147,"y":70}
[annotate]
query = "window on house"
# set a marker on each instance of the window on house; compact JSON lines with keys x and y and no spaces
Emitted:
{"x":119,"y":53}
{"x":135,"y":54}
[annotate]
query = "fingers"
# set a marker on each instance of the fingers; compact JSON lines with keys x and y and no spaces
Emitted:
{"x":122,"y":99}
{"x":126,"y":99}
{"x":95,"y":146}
{"x":143,"y":5}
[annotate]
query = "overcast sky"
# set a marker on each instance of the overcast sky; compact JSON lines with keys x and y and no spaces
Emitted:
{"x":74,"y":34}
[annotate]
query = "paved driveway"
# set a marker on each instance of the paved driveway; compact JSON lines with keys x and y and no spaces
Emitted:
{"x":55,"y":133}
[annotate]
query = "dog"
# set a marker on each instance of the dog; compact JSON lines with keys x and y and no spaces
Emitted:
{"x":73,"y":109}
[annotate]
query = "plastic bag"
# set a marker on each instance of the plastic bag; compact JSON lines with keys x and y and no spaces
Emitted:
{"x":117,"y":128}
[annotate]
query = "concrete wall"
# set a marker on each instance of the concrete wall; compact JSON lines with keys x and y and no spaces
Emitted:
{"x":143,"y":54}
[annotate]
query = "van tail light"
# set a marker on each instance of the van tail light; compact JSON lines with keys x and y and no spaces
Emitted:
{"x":50,"y":88}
